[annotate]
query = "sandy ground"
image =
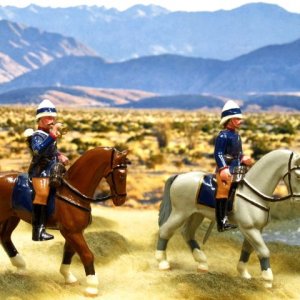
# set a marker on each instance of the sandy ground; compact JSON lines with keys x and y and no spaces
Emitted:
{"x":123,"y":241}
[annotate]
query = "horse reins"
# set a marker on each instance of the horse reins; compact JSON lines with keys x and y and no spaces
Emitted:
{"x":270,"y":198}
{"x":98,"y":199}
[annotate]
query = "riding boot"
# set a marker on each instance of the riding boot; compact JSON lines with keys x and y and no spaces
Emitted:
{"x":221,"y":217}
{"x":38,"y":223}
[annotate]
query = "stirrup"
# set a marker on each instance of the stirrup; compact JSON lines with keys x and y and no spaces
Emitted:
{"x":225,"y":226}
{"x":229,"y":226}
{"x":39,"y":234}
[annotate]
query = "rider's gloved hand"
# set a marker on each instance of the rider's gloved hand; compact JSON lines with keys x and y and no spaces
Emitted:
{"x":225,"y":175}
{"x":247,"y":160}
{"x":55,"y":130}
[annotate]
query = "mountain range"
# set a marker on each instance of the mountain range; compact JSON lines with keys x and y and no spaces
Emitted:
{"x":35,"y":63}
{"x":269,"y":69}
{"x":152,"y":30}
{"x":23,"y":49}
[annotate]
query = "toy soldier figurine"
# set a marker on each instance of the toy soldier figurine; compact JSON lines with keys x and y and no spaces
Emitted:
{"x":42,"y":143}
{"x":228,"y":155}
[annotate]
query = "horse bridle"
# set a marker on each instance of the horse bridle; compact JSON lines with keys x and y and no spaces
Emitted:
{"x":111,"y":173}
{"x":270,"y":198}
{"x":99,"y":199}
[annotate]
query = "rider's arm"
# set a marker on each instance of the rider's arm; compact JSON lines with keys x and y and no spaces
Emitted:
{"x":220,"y":147}
{"x":40,"y":144}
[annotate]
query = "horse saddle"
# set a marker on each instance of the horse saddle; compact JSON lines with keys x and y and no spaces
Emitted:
{"x":207,"y":191}
{"x":23,"y":195}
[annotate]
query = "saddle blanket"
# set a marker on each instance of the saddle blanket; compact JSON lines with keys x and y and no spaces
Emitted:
{"x":207,"y":190}
{"x":23,"y":195}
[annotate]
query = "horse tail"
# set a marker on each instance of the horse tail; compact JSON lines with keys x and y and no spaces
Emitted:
{"x":165,"y":205}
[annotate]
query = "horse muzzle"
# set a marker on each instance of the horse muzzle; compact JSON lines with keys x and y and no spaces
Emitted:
{"x":119,"y":200}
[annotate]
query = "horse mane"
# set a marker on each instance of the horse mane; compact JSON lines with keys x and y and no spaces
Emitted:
{"x":267,"y":161}
{"x":88,"y":156}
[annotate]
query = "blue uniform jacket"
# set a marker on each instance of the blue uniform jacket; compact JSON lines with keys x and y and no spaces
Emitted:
{"x":228,"y":142}
{"x":44,"y":154}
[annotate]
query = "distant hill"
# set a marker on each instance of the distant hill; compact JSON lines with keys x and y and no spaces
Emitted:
{"x":279,"y":102}
{"x":73,"y":96}
{"x":152,"y":30}
{"x":186,"y":102}
{"x":23,"y":49}
{"x":136,"y":99}
{"x":269,"y":69}
{"x":272,"y":68}
{"x":159,"y":74}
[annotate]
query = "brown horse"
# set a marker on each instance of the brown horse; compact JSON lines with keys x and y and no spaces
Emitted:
{"x":72,"y":208}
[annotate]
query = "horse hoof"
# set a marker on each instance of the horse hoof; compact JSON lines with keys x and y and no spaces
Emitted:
{"x":267,"y":276}
{"x":202,"y":268}
{"x":18,"y":262}
{"x":66,"y":273}
{"x":22,"y":271}
{"x":242,"y":269}
{"x":92,"y":286}
{"x":268,"y":284}
{"x":91,"y":292}
{"x":70,"y":279}
{"x":164,"y":265}
{"x":246,"y":275}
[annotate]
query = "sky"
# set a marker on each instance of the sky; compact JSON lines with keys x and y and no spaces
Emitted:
{"x":172,"y":5}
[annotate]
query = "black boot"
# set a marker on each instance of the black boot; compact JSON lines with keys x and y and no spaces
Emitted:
{"x":38,"y":224}
{"x":221,"y":216}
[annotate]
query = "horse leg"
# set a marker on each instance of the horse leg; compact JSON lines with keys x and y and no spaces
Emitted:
{"x":188,"y":232}
{"x":6,"y":230}
{"x":255,"y":238}
{"x":247,"y":249}
{"x":166,"y":231}
{"x":66,"y":263}
{"x":78,"y":243}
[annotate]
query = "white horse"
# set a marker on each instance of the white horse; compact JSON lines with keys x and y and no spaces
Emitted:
{"x":250,"y":211}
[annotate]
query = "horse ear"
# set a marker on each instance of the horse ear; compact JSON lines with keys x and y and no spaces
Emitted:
{"x":127,"y":160}
{"x":125,"y":152}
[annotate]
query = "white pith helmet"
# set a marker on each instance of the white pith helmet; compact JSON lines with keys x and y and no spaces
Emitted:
{"x":230,"y":110}
{"x":45,"y":109}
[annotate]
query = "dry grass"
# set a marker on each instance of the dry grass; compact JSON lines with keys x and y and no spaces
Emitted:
{"x":123,"y":241}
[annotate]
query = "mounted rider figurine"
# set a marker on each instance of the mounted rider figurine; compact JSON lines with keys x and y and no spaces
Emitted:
{"x":229,"y":157}
{"x":45,"y":158}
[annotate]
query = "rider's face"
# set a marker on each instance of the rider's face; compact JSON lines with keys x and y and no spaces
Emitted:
{"x":46,"y":122}
{"x":235,"y":123}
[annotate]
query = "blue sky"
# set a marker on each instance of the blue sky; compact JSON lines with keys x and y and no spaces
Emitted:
{"x":173,"y":5}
